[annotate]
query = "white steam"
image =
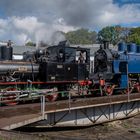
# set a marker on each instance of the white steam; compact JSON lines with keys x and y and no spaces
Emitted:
{"x":22,"y":30}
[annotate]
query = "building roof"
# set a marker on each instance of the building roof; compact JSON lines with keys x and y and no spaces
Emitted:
{"x":94,"y":47}
{"x":20,"y":49}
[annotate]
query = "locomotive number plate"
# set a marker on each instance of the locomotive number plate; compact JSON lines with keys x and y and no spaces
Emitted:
{"x":22,"y":68}
{"x":59,"y":66}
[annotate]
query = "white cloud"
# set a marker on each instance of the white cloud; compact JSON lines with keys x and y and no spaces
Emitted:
{"x":60,"y":24}
{"x":29,"y":24}
{"x":37,"y":20}
{"x":3,"y":23}
{"x":20,"y":30}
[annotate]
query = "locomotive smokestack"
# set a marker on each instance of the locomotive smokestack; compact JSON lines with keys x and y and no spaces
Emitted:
{"x":106,"y":44}
{"x":64,"y":43}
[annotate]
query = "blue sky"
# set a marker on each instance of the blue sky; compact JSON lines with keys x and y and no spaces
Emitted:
{"x":24,"y":20}
{"x":121,"y":2}
{"x":128,"y":2}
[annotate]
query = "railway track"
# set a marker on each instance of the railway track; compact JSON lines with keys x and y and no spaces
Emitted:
{"x":17,"y":113}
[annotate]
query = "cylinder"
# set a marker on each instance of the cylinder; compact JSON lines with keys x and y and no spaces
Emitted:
{"x":132,"y":48}
{"x":122,"y":47}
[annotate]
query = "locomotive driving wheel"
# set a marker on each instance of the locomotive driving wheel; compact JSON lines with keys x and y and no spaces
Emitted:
{"x":52,"y":97}
{"x":130,"y":89}
{"x":108,"y":89}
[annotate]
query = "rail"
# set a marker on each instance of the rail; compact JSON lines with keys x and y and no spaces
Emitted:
{"x":28,"y":95}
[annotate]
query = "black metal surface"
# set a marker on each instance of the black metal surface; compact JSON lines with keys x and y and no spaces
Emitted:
{"x":58,"y":71}
{"x":62,"y":64}
{"x":0,"y":53}
{"x":71,"y":72}
{"x":6,"y":52}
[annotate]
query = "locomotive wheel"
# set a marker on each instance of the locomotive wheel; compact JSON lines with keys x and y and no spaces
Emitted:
{"x":10,"y":98}
{"x":109,"y":89}
{"x":131,"y":88}
{"x":126,"y":91}
{"x":52,"y":97}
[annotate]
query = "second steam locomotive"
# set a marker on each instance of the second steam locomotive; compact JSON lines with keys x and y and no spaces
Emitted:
{"x":117,"y":71}
{"x":52,"y":71}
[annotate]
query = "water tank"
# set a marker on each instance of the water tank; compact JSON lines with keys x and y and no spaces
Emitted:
{"x":138,"y":48}
{"x":121,"y":47}
{"x":7,"y":53}
{"x":132,"y":48}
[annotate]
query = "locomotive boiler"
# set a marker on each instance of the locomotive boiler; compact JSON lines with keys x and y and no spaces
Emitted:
{"x":11,"y":70}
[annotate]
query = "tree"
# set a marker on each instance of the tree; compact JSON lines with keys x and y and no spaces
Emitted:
{"x":134,"y":35}
{"x":124,"y":34}
{"x":110,"y":33}
{"x":81,"y":36}
{"x":30,"y":44}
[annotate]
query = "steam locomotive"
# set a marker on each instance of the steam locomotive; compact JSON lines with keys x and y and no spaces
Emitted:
{"x":54,"y":69}
{"x":117,"y":71}
{"x":59,"y":70}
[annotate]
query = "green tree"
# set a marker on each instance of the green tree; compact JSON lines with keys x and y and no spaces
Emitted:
{"x":81,"y":36}
{"x":110,"y":33}
{"x":124,"y":34}
{"x":30,"y":44}
{"x":134,"y":35}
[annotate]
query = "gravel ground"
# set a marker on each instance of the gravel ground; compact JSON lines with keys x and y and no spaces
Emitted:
{"x":128,"y":129}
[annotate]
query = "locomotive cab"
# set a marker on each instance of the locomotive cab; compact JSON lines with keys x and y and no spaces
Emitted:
{"x":62,"y":64}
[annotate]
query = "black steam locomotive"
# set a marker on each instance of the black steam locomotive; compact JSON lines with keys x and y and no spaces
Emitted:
{"x":54,"y":69}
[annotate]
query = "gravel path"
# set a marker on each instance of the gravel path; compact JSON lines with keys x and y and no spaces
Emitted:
{"x":128,"y":129}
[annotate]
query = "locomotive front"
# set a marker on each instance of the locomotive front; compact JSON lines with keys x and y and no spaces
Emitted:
{"x":103,"y":68}
{"x":12,"y":70}
{"x":117,"y":70}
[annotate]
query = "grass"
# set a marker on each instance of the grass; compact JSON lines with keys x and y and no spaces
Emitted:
{"x":137,"y":129}
{"x":126,"y":125}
